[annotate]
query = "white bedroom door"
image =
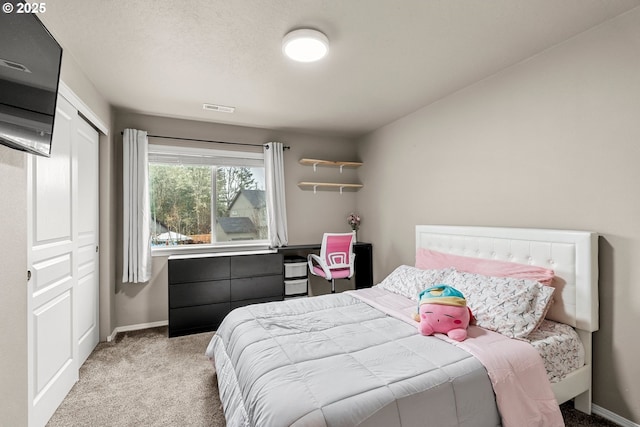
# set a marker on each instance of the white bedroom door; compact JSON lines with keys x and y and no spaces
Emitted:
{"x":62,"y":290}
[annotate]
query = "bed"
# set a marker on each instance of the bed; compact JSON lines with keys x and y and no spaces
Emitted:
{"x":353,"y":359}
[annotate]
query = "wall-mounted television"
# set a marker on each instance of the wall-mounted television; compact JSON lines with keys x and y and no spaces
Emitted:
{"x":30,"y":61}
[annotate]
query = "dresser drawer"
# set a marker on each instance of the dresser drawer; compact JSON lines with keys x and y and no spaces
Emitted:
{"x":257,"y":287}
{"x":198,"y":269}
{"x":256,"y":265}
{"x":236,"y":304}
{"x":199,"y":293}
{"x":202,"y":318}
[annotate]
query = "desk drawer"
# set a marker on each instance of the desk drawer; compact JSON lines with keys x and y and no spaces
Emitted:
{"x":257,"y":287}
{"x":296,"y":287}
{"x":199,"y":293}
{"x":293,"y":270}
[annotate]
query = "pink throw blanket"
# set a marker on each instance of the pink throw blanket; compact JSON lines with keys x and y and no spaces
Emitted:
{"x":523,"y":392}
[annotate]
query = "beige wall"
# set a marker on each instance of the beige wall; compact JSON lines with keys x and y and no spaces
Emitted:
{"x":309,"y":215}
{"x":13,"y":287}
{"x":553,"y":142}
{"x":73,"y":76}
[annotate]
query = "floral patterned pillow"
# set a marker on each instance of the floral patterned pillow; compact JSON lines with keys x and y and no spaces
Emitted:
{"x":410,"y":281}
{"x":510,"y":306}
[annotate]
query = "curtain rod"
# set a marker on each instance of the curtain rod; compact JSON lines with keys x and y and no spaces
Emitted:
{"x":285,"y":147}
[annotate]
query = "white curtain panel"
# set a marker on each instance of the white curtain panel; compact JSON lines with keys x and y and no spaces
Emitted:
{"x":137,"y":214}
{"x":276,"y":202}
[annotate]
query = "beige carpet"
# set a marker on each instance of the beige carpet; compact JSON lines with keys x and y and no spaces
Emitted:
{"x":144,"y":378}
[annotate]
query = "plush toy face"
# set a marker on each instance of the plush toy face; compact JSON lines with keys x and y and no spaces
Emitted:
{"x":445,"y":319}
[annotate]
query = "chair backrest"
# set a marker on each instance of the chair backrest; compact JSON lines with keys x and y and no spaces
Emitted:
{"x":337,"y":249}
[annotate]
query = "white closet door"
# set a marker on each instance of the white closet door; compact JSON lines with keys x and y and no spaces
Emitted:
{"x":86,"y":295}
{"x":59,"y":263}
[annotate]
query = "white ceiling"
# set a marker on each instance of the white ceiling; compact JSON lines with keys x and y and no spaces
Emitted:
{"x":387,"y":57}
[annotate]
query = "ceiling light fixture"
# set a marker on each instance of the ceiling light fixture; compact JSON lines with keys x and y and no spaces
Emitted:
{"x":305,"y":45}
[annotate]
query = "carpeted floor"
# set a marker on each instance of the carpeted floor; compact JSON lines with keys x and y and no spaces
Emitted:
{"x":143,"y":378}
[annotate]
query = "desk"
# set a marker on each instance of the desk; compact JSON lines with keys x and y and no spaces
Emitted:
{"x":363,"y":264}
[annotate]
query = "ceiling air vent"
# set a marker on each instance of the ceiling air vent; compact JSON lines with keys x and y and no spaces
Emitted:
{"x":13,"y":65}
{"x":218,"y":108}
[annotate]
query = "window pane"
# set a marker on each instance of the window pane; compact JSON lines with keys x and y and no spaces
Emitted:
{"x":241,"y":211}
{"x":180,"y":204}
{"x":184,"y":204}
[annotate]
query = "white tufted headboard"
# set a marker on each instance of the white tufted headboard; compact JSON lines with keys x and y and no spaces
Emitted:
{"x":572,"y":255}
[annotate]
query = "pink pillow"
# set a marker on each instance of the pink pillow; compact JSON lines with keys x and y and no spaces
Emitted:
{"x":427,"y":259}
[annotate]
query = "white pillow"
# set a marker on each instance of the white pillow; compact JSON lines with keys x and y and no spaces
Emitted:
{"x":513,"y":307}
{"x":410,"y":281}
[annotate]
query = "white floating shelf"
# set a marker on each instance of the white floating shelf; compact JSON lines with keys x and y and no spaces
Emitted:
{"x":319,"y":162}
{"x":306,"y":185}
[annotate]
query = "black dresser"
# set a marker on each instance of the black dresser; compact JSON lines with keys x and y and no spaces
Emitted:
{"x":204,"y":289}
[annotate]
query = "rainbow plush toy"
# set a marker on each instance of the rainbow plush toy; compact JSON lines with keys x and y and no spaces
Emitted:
{"x":443,"y":309}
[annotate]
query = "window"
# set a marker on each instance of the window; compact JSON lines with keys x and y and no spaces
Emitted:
{"x":206,"y":197}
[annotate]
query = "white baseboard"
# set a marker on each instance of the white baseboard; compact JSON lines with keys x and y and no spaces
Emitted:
{"x":612,"y":416}
{"x":135,"y":328}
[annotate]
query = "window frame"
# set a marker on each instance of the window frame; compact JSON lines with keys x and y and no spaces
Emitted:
{"x":172,"y":154}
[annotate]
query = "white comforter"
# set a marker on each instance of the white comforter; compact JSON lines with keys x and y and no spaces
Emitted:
{"x":523,"y":392}
{"x":337,"y":361}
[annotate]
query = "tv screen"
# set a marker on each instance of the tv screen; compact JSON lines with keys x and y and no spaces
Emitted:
{"x":30,"y":61}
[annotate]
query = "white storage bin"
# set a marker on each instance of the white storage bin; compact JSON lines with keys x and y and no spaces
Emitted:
{"x":295,"y":269}
{"x":295,"y":287}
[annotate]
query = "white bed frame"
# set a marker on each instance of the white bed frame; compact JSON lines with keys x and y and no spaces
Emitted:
{"x":572,"y":255}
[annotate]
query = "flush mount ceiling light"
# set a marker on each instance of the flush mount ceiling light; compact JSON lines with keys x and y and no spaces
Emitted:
{"x":305,"y":45}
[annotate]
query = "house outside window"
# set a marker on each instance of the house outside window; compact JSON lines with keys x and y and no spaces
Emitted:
{"x":206,"y":197}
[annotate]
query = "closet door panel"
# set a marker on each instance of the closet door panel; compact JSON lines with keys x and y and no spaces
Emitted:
{"x":62,"y":228}
{"x":52,"y":361}
{"x":86,"y":222}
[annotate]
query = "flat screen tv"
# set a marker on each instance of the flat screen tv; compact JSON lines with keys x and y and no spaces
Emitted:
{"x":30,"y":61}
